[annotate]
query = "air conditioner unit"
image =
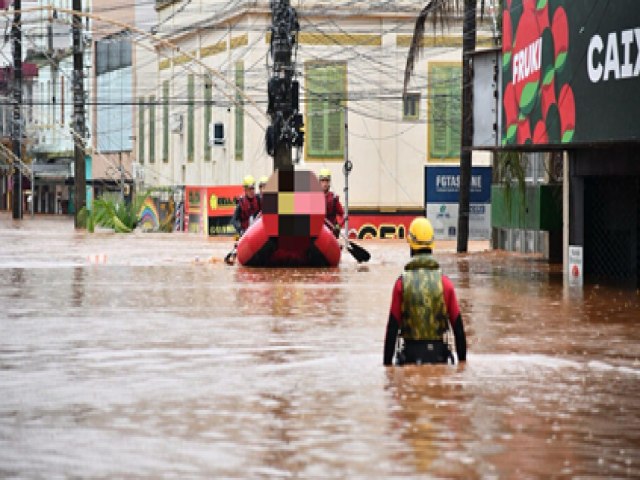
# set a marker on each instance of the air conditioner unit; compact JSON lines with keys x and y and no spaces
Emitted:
{"x":216,"y":134}
{"x":138,"y":171}
{"x":176,"y":123}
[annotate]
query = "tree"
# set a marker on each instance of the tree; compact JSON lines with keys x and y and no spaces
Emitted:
{"x":438,"y":9}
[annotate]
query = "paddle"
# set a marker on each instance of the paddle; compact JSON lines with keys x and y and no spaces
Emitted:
{"x":356,"y":251}
{"x":230,"y":258}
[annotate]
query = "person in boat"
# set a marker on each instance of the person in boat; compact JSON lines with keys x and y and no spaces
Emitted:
{"x":334,"y":212}
{"x":247,"y":208}
{"x":261,"y":184}
{"x":423,"y":307}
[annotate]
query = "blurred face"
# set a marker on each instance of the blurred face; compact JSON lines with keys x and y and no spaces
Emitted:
{"x":250,"y":192}
{"x":325,"y":184}
{"x":261,"y":186}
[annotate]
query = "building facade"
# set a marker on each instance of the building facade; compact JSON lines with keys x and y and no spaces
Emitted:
{"x":201,"y":116}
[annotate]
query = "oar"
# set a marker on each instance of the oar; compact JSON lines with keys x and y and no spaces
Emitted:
{"x":230,"y":258}
{"x":356,"y":251}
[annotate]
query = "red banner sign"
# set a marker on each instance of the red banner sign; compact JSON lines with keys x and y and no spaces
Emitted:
{"x":380,"y":226}
{"x":221,"y":200}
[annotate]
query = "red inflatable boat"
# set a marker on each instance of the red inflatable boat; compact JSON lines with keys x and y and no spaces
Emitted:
{"x":257,"y":249}
{"x":291,"y":231}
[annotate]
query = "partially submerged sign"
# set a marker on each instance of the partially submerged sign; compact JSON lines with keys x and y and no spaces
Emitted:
{"x":575,"y":272}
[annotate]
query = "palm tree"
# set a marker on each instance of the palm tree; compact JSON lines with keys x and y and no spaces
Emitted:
{"x":437,"y":9}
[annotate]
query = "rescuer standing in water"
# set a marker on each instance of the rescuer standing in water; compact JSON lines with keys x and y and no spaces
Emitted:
{"x":422,"y":307}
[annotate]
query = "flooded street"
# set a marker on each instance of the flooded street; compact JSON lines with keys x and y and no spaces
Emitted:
{"x":145,"y":356}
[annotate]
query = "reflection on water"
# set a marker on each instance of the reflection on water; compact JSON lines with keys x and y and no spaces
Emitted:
{"x":286,"y":293}
{"x":426,"y":414}
{"x":161,"y":361}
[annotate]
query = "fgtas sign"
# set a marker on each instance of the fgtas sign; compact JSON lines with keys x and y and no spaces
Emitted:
{"x":571,"y":71}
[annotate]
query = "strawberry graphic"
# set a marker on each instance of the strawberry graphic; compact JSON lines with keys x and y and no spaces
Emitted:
{"x":526,"y":58}
{"x":507,"y":39}
{"x":567,"y":108}
{"x":560,"y":31}
{"x":524,"y":131}
{"x":540,"y":133}
{"x":542,"y":14}
{"x":510,"y":112}
{"x":537,"y":97}
{"x":547,"y":90}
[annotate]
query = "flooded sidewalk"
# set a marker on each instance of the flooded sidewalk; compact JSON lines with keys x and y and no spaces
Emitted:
{"x":144,"y":355}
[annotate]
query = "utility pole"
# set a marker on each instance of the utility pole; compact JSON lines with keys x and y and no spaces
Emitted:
{"x":286,"y":129}
{"x":346,"y":169}
{"x":16,"y":125}
{"x":466,"y":141}
{"x":78,"y":112}
{"x":121,"y":172}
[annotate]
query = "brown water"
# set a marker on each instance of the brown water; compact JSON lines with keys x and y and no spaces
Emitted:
{"x":145,"y":356}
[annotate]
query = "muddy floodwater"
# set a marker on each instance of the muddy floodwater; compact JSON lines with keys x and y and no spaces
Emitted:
{"x":145,"y":356}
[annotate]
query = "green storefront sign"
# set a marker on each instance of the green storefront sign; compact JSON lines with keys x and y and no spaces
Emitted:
{"x":571,"y":72}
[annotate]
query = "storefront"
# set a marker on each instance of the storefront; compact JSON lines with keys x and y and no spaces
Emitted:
{"x":570,"y":82}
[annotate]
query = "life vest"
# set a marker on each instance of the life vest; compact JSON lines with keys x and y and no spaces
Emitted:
{"x":424,"y":312}
{"x":249,"y":208}
{"x":331,"y":207}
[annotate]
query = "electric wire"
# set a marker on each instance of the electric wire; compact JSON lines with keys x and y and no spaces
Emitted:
{"x":380,"y":97}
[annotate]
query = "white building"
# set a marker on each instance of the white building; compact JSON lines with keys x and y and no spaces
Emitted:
{"x":211,"y":66}
{"x":47,"y":98}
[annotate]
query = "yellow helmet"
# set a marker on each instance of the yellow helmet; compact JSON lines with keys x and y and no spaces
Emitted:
{"x":248,"y":181}
{"x":325,"y":174}
{"x":263,"y":180}
{"x":420,"y":234}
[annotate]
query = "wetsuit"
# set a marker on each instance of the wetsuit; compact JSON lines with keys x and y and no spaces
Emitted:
{"x":399,"y":316}
{"x":334,"y":210}
{"x":246,"y":210}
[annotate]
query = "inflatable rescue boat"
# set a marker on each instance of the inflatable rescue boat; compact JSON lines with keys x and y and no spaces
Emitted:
{"x":291,"y":232}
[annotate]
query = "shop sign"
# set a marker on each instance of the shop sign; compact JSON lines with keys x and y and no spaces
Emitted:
{"x":570,"y":71}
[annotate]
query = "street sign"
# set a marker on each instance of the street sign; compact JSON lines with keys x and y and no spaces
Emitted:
{"x":575,"y":265}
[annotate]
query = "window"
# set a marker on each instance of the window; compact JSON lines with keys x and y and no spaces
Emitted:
{"x":239,"y":116}
{"x":141,"y":138}
{"x":445,"y":80}
{"x":165,"y":121}
{"x":115,"y":111}
{"x":411,"y":106}
{"x":326,"y":90}
{"x":113,"y":53}
{"x":218,"y":134}
{"x":152,"y":129}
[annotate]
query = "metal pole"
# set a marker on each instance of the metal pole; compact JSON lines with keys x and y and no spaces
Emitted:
{"x":121,"y":171}
{"x":33,"y":191}
{"x":78,"y":113}
{"x":16,"y":32}
{"x":346,"y":169}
